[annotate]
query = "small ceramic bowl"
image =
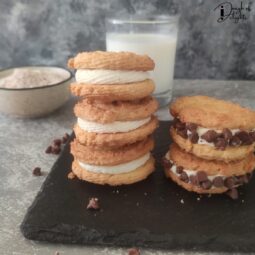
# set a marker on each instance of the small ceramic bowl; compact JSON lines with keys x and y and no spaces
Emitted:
{"x":36,"y":101}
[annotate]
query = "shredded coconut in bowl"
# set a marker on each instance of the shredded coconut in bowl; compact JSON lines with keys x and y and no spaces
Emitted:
{"x":30,"y":78}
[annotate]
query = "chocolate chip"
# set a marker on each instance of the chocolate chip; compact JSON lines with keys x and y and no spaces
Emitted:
{"x":244,"y":137}
{"x":93,"y":204}
{"x":233,"y":193}
{"x":65,"y":138}
{"x":201,"y":176}
{"x":193,"y":137}
{"x":48,"y":150}
{"x":182,"y":133}
{"x":57,"y":142}
{"x":229,"y":182}
{"x":235,"y":141}
{"x":218,"y":182}
{"x":166,"y":163}
{"x":179,"y":125}
{"x":243,"y":179}
{"x":56,"y":149}
{"x":227,"y":135}
{"x":179,"y":169}
{"x":134,"y":251}
{"x":209,"y":136}
{"x":252,"y":135}
{"x":191,"y":126}
{"x":220,"y":143}
{"x":184,"y":177}
{"x":37,"y":171}
{"x":206,"y":184}
{"x":194,"y":180}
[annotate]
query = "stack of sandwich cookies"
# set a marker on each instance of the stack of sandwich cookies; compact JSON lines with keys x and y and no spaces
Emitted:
{"x":213,"y":145}
{"x":114,"y":118}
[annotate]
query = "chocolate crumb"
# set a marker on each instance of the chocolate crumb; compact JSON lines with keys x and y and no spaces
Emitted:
{"x":57,"y":142}
{"x":134,"y":251}
{"x":37,"y":171}
{"x":210,"y":136}
{"x":166,"y":163}
{"x":182,"y":133}
{"x":71,"y":175}
{"x":232,"y":193}
{"x":48,"y":150}
{"x":56,"y":149}
{"x":179,"y":125}
{"x":93,"y":204}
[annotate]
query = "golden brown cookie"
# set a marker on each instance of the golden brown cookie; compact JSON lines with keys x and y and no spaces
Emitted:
{"x":204,"y":176}
{"x":115,"y":139}
{"x":111,"y":61}
{"x":134,"y":176}
{"x":110,"y":157}
{"x":212,"y":113}
{"x":107,"y":112}
{"x":109,"y":92}
{"x":210,"y":152}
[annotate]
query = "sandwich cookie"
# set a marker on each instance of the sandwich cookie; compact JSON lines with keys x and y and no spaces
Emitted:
{"x":111,"y":76}
{"x":204,"y":176}
{"x":125,"y":165}
{"x":114,"y":124}
{"x":213,"y":129}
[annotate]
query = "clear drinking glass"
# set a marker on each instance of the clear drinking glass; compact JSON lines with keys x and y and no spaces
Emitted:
{"x":155,"y":36}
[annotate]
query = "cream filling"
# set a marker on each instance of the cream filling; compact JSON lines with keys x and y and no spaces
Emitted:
{"x":114,"y":127}
{"x":117,"y":169}
{"x":109,"y":76}
{"x":190,"y":172}
{"x":202,"y":130}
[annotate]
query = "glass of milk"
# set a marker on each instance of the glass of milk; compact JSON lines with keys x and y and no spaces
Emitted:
{"x":155,"y":36}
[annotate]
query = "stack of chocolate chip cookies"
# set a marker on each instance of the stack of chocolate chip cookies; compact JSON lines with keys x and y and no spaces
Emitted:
{"x":115,"y":118}
{"x":213,"y":147}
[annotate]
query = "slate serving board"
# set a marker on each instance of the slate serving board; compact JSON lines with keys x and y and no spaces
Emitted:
{"x":146,"y":214}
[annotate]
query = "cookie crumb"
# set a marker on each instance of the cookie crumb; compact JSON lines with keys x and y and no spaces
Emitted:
{"x":145,"y":193}
{"x":93,"y":204}
{"x":134,"y":251}
{"x":71,"y":175}
{"x":117,"y":191}
{"x":182,"y":201}
{"x":137,"y":204}
{"x":242,"y":201}
{"x":37,"y":171}
{"x":198,"y":198}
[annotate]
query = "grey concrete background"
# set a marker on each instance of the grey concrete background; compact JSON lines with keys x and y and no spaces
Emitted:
{"x":48,"y":32}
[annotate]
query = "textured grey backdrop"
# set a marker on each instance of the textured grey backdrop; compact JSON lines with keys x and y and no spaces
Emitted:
{"x":48,"y":32}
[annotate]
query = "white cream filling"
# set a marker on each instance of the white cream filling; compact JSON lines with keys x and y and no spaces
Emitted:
{"x":117,"y":169}
{"x":114,"y":127}
{"x":109,"y":76}
{"x":202,"y":130}
{"x":190,"y":172}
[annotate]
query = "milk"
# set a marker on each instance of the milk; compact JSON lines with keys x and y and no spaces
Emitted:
{"x":160,"y":47}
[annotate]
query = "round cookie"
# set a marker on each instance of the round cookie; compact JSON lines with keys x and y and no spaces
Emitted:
{"x":115,"y":139}
{"x":111,"y":61}
{"x":210,"y":112}
{"x":110,"y":157}
{"x":209,"y":152}
{"x":113,"y":92}
{"x":107,"y":112}
{"x":133,"y":176}
{"x":203,"y":176}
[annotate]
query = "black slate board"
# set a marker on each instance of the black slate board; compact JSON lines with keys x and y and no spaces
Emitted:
{"x":146,"y":214}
